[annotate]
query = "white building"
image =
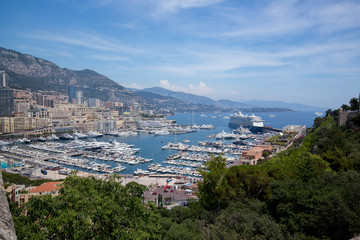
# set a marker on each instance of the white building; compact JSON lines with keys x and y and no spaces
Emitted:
{"x":94,"y":102}
{"x":79,"y":97}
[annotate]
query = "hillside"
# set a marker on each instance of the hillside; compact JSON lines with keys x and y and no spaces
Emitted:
{"x":26,"y":71}
{"x":279,"y":104}
{"x":166,"y":104}
{"x":231,"y":104}
{"x":185,"y":97}
{"x":251,"y":106}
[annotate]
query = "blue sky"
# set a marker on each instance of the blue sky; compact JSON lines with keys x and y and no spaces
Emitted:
{"x":294,"y":51}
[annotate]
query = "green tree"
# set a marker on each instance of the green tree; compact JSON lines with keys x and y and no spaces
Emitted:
{"x":354,"y":104}
{"x":329,"y":112}
{"x":246,"y":221}
{"x":88,"y":208}
{"x":345,"y":107}
{"x":246,"y":181}
{"x":314,"y":208}
{"x":211,"y":187}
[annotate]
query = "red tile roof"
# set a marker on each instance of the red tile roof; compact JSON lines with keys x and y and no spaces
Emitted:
{"x":46,"y":187}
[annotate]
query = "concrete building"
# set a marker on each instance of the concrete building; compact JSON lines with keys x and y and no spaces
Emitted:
{"x":94,"y":102}
{"x":72,"y":93}
{"x":3,"y":82}
{"x":39,"y":112}
{"x":295,"y":129}
{"x":21,"y":108}
{"x":49,"y":188}
{"x":7,"y":125}
{"x":85,"y":127}
{"x":106,"y":125}
{"x":14,"y":191}
{"x":79,"y":97}
{"x":252,"y":156}
{"x":6,"y":102}
{"x":17,"y":124}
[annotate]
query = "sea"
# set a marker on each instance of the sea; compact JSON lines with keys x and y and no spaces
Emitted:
{"x":150,"y":145}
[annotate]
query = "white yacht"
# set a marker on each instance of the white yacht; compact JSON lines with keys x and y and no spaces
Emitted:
{"x":94,"y":134}
{"x":80,"y":135}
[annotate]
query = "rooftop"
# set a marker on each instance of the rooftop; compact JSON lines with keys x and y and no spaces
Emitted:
{"x":46,"y":187}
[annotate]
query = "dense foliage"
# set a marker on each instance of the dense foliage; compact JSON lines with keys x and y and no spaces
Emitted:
{"x":20,"y":180}
{"x":88,"y":209}
{"x":310,"y":191}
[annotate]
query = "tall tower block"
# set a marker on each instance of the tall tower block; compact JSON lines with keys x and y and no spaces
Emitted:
{"x":3,"y":82}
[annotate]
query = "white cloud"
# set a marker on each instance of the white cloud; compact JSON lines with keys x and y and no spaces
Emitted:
{"x":109,"y":58}
{"x":340,"y":16}
{"x":175,"y":5}
{"x":165,"y":84}
{"x":200,"y":89}
{"x":82,"y":39}
{"x":282,"y":18}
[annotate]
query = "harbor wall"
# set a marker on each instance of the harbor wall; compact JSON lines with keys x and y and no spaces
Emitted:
{"x":7,"y":230}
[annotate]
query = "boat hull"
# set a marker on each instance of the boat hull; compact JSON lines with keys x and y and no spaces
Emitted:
{"x":253,"y":129}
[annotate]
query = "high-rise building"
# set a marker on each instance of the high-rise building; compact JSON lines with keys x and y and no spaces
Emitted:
{"x":72,"y":93}
{"x":3,"y":82}
{"x":94,"y":102}
{"x":6,"y":102}
{"x":79,"y":97}
{"x":93,"y":92}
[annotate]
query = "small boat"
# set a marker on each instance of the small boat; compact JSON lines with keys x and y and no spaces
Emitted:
{"x":272,"y":115}
{"x":119,"y":168}
{"x":162,"y":132}
{"x":23,"y":140}
{"x":141,"y":172}
{"x":318,"y":113}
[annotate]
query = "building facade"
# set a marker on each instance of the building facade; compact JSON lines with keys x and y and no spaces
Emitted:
{"x":79,"y":97}
{"x":72,"y":93}
{"x":6,"y":102}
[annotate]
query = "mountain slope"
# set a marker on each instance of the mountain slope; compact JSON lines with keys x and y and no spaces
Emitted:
{"x":279,"y":104}
{"x":231,"y":104}
{"x":26,"y":71}
{"x":171,"y":104}
{"x":185,"y":97}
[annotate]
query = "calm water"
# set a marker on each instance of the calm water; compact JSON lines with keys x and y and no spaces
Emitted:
{"x":151,"y":145}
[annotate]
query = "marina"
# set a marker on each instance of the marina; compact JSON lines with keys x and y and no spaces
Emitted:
{"x":139,"y":152}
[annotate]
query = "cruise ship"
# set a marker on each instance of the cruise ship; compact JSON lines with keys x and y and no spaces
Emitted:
{"x":254,"y":123}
